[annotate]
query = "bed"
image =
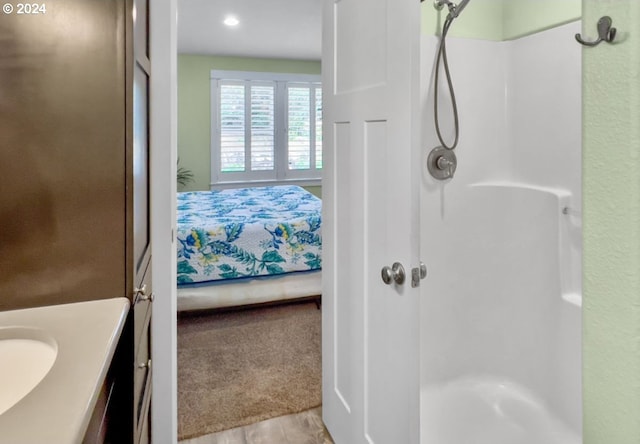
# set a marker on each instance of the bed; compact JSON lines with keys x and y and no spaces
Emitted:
{"x":247,"y":246}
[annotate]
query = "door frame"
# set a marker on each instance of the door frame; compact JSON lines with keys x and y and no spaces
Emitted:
{"x":163,"y":164}
{"x":163,"y":23}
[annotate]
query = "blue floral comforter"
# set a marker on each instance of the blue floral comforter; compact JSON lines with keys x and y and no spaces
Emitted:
{"x":238,"y":233}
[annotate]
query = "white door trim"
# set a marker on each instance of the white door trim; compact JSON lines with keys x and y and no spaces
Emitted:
{"x":163,"y":137}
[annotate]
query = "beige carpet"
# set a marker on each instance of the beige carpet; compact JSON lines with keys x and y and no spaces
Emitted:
{"x":237,"y":368}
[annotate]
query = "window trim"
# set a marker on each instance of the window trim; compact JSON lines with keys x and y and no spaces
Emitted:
{"x":281,"y":172}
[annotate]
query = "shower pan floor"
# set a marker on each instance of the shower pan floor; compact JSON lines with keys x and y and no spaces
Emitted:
{"x":489,"y":411}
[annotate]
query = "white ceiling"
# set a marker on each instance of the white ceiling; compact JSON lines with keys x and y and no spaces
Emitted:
{"x":289,"y":29}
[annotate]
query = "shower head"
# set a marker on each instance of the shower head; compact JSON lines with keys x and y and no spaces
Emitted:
{"x":457,"y":10}
{"x":454,"y":10}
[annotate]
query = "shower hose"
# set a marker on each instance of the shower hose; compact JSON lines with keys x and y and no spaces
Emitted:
{"x":442,"y":56}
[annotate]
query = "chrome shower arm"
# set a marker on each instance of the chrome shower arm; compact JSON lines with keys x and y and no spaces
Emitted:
{"x":454,"y":10}
{"x":439,"y":4}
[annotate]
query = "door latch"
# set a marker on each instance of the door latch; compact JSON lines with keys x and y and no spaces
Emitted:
{"x":417,"y":274}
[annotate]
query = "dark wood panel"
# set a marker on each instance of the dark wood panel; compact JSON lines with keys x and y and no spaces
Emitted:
{"x":62,"y":82}
{"x":141,"y":26}
{"x":139,"y":198}
{"x":74,"y":159}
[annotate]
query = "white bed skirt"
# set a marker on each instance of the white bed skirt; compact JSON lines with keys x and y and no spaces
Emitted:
{"x":249,"y":291}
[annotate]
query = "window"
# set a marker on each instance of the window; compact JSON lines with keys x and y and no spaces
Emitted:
{"x":265,"y":127}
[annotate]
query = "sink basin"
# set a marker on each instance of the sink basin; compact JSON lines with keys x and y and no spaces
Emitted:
{"x":27,"y":355}
{"x":53,"y":364}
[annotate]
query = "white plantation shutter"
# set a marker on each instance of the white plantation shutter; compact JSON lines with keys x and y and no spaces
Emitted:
{"x":265,"y":127}
{"x":318,"y":119}
{"x":304,"y":128}
{"x":262,"y":128}
{"x":232,"y":128}
{"x":299,"y":125}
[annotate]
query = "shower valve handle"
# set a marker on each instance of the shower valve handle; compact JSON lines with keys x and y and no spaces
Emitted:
{"x":442,"y":163}
{"x":446,"y":165}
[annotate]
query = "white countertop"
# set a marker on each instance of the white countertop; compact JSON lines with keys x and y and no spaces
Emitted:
{"x":59,"y":408}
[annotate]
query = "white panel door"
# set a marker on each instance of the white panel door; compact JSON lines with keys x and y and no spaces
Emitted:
{"x":370,"y":67}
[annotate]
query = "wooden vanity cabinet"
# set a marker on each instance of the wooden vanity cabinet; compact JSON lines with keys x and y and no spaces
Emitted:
{"x":142,"y":368}
{"x":138,"y":220}
{"x":107,"y":423}
{"x":126,"y":397}
{"x":122,"y":414}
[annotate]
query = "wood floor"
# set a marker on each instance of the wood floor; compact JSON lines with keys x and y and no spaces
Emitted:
{"x":301,"y":428}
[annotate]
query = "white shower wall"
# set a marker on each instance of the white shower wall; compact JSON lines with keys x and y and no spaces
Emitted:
{"x":502,"y":299}
{"x":519,"y":106}
{"x":544,"y":96}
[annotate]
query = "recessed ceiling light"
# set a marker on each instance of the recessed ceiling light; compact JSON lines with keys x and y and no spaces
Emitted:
{"x":231,"y":21}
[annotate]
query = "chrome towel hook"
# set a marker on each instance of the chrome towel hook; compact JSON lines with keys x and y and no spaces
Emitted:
{"x":606,"y":33}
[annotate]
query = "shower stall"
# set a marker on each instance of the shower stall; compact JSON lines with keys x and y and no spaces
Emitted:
{"x":500,"y":324}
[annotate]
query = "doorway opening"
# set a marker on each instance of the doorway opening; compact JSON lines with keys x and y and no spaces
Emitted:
{"x":249,"y":130}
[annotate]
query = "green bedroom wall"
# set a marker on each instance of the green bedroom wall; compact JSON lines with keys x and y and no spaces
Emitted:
{"x":315,"y":190}
{"x":611,"y":227}
{"x":481,"y":19}
{"x":524,"y":17}
{"x":502,"y":19}
{"x":194,"y":114}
